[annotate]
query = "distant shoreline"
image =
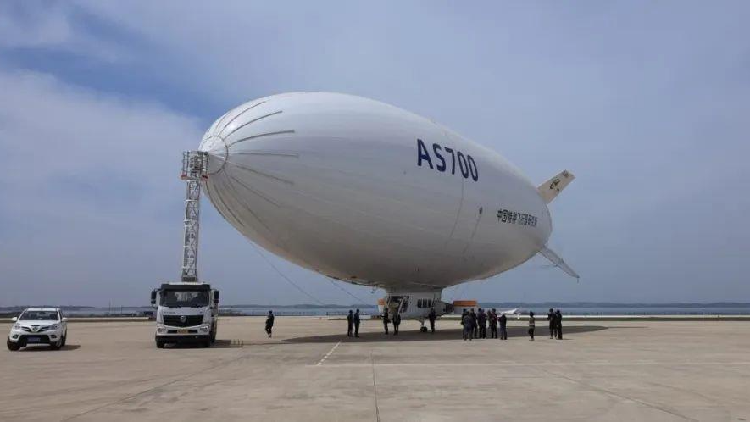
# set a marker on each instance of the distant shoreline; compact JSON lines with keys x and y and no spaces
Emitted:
{"x":483,"y":304}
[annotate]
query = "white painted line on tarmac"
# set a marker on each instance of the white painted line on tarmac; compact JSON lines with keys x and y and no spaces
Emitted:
{"x":328,"y":354}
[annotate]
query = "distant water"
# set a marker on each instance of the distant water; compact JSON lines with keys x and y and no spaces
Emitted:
{"x":140,"y":311}
{"x":635,"y":310}
{"x":540,"y":308}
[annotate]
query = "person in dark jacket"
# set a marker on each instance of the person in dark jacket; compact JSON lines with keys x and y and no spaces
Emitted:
{"x":551,"y":318}
{"x":493,"y":323}
{"x":466,"y":322}
{"x":432,"y":317}
{"x":532,"y":326}
{"x":482,"y":320}
{"x":349,"y":323}
{"x":558,"y":323}
{"x":503,"y":320}
{"x":474,"y":324}
{"x":396,"y":323}
{"x":356,"y":323}
{"x":269,"y":323}
{"x":386,"y":320}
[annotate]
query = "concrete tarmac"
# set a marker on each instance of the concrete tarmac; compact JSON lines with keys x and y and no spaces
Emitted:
{"x":309,"y":371}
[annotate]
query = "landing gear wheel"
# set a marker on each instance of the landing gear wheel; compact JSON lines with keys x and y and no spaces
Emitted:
{"x":160,"y":344}
{"x":13,"y":346}
{"x":423,"y":329}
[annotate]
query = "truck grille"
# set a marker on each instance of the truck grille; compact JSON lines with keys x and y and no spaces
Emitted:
{"x":183,"y":320}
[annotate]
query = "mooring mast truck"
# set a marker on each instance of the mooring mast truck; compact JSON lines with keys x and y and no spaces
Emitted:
{"x":186,"y":312}
{"x":189,"y":309}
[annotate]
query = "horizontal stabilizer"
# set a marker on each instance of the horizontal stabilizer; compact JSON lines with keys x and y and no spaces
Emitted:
{"x":558,"y":262}
{"x":552,"y":187}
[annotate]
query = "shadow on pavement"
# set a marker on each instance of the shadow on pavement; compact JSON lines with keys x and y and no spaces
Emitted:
{"x":45,"y":348}
{"x":514,"y":333}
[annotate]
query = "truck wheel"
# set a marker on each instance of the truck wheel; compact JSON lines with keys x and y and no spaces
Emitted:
{"x":160,"y":344}
{"x":13,"y":346}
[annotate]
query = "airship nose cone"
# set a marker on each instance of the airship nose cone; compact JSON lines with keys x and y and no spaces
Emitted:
{"x":218,"y":152}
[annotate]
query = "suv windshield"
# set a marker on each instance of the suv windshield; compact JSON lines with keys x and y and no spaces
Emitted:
{"x":38,"y":315}
{"x":176,"y":299}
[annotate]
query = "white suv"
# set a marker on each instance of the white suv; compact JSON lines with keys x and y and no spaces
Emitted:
{"x":39,"y":326}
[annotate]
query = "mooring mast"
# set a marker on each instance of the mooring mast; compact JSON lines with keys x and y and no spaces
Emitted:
{"x":194,"y":167}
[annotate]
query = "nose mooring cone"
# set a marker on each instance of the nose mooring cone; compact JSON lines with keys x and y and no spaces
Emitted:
{"x":218,"y":153}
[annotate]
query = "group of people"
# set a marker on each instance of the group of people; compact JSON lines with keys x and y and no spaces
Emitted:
{"x":396,"y":320}
{"x":475,"y":324}
{"x":352,"y":324}
{"x":555,"y":324}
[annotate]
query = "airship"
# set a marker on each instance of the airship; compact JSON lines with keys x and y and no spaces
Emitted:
{"x":368,"y":193}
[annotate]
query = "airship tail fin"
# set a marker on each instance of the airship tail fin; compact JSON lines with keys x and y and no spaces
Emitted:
{"x":552,"y":187}
{"x":558,"y":262}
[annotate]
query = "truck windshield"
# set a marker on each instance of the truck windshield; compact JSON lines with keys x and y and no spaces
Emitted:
{"x":177,"y":299}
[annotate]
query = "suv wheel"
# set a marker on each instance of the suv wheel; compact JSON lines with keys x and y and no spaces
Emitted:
{"x":160,"y":344}
{"x":57,"y":345}
{"x":64,"y":338}
{"x":13,"y":346}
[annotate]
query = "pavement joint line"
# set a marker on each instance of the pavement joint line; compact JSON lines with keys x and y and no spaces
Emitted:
{"x":621,"y":396}
{"x":153,"y":388}
{"x":320,"y":362}
{"x":374,"y":388}
{"x":354,"y":365}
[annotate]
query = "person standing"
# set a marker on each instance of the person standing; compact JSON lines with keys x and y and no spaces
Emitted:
{"x":482,"y":319}
{"x":503,"y":320}
{"x":493,"y":323}
{"x":396,"y":323}
{"x":269,"y":323}
{"x":474,"y":325}
{"x":349,"y":323}
{"x":552,"y":323}
{"x":558,"y":323}
{"x":356,"y":323}
{"x":466,"y":322}
{"x":432,"y":317}
{"x":386,"y":320}
{"x":532,"y":326}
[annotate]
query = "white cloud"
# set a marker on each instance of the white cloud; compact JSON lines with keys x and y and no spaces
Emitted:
{"x":53,"y":129}
{"x":23,"y":25}
{"x":87,"y":182}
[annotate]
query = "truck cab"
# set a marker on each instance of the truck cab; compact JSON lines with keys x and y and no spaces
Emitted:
{"x":185,"y":312}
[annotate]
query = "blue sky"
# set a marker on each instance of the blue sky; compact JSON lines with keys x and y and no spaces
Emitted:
{"x":646,"y":102}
